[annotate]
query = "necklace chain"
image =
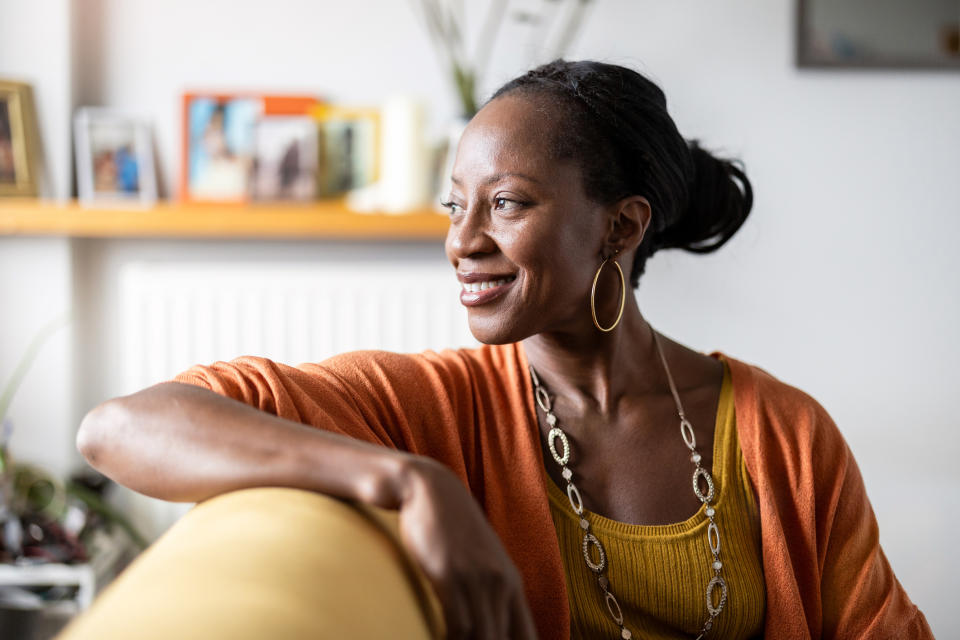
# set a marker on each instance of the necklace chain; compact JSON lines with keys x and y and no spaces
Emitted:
{"x":594,"y":555}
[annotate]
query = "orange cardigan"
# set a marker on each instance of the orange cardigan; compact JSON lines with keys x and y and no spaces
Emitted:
{"x":472,"y":409}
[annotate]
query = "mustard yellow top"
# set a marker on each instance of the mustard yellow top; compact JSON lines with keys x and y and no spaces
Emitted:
{"x":659,"y":573}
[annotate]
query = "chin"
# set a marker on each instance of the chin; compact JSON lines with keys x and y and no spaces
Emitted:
{"x":492,"y":331}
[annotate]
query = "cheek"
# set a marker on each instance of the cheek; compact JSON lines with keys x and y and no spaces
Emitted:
{"x":560,"y":268}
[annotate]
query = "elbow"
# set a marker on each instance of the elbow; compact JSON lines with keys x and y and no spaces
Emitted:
{"x":94,"y":432}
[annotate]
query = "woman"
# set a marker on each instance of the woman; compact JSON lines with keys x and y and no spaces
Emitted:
{"x":564,"y":426}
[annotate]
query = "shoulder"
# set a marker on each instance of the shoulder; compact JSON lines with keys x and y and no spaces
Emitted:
{"x":762,"y":392}
{"x":398,"y":364}
{"x":447,"y":368}
{"x":778,"y":420}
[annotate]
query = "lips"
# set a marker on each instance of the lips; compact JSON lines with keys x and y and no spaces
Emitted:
{"x":480,"y":288}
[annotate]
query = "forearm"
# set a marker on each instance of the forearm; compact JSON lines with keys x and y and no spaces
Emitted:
{"x":182,"y":443}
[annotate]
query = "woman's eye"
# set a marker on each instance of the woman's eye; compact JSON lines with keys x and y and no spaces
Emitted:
{"x":505,"y":203}
{"x":453,"y":207}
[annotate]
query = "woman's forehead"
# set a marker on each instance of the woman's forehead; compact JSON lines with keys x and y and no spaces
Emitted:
{"x":508,"y":136}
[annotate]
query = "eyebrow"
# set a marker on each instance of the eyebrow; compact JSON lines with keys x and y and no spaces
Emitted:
{"x":497,"y":177}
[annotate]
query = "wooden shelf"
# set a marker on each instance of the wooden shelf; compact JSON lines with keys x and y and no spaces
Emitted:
{"x":322,"y":219}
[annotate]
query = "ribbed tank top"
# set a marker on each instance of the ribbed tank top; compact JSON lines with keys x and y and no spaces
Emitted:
{"x":659,"y":573}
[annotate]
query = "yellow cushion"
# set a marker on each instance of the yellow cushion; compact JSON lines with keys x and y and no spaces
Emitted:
{"x":268,"y":563}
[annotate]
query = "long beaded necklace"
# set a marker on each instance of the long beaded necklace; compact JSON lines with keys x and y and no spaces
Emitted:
{"x":593,"y":553}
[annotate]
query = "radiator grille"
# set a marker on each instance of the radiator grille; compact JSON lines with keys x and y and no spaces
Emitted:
{"x":176,"y":315}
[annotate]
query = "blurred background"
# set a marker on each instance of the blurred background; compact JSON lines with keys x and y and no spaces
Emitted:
{"x":843,"y":282}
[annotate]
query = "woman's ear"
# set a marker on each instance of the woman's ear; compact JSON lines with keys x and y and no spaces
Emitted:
{"x":628,"y":223}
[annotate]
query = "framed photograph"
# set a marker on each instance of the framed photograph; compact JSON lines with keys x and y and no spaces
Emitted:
{"x":18,"y":140}
{"x":219,"y":141}
{"x":285,"y":159}
{"x":897,"y":34}
{"x":114,"y":159}
{"x":348,"y":144}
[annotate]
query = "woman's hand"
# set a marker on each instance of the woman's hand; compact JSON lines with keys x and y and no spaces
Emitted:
{"x":448,"y":534}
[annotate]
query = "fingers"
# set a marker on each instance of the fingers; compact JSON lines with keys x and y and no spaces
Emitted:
{"x":491,"y":613}
{"x":521,"y":620}
{"x":456,"y":613}
{"x":477,"y":612}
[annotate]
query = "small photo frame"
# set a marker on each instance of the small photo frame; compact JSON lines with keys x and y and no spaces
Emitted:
{"x":285,"y":159}
{"x":114,"y":159}
{"x":349,"y":146}
{"x":219,"y":141}
{"x":18,"y":140}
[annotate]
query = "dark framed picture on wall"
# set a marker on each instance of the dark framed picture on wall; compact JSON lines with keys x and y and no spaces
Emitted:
{"x":894,"y":34}
{"x":18,"y":140}
{"x":114,"y":155}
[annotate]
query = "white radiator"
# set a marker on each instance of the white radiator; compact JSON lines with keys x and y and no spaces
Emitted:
{"x":174,"y":315}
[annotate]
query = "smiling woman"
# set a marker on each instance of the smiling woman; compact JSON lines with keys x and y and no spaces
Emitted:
{"x":700,"y":496}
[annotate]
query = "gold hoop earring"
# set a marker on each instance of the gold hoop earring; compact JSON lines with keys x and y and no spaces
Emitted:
{"x":593,"y":296}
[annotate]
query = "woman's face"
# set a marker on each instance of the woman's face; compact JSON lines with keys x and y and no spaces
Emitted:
{"x":521,"y":227}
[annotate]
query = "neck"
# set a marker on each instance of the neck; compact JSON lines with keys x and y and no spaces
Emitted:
{"x":593,"y":370}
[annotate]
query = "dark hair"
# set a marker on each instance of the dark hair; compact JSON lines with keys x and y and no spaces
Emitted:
{"x":614,"y":124}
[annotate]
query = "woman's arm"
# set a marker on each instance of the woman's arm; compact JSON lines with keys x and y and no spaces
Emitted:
{"x":183,"y":443}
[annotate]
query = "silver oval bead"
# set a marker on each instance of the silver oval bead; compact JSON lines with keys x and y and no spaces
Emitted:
{"x":713,"y":537}
{"x":686,"y":430}
{"x":702,"y":472}
{"x":601,"y":564}
{"x":717,"y":581}
{"x":533,"y":374}
{"x":611,"y":604}
{"x":555,"y":433}
{"x":543,"y":399}
{"x":573,"y":495}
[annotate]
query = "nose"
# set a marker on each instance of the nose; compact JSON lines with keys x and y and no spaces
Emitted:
{"x":469,"y":234}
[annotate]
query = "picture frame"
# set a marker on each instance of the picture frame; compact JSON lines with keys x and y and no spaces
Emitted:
{"x":19,"y":144}
{"x":349,"y":148}
{"x":114,"y":155}
{"x":219,"y":138}
{"x":286,"y":159}
{"x":858,"y":34}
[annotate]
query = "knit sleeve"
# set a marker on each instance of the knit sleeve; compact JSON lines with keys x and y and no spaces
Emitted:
{"x":860,"y":595}
{"x":421,"y":403}
{"x":825,"y":572}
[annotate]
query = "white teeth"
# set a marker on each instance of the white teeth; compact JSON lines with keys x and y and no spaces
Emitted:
{"x":475,"y":287}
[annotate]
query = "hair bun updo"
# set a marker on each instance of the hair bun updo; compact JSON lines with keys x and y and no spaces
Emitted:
{"x":719,"y":200}
{"x":615,"y":125}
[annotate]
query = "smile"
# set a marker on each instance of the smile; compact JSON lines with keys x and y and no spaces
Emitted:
{"x":483,"y":289}
{"x":474,"y":287}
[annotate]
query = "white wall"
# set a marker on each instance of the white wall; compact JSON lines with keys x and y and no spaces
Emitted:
{"x":35,"y":292}
{"x":35,"y":280}
{"x":844,"y":282}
